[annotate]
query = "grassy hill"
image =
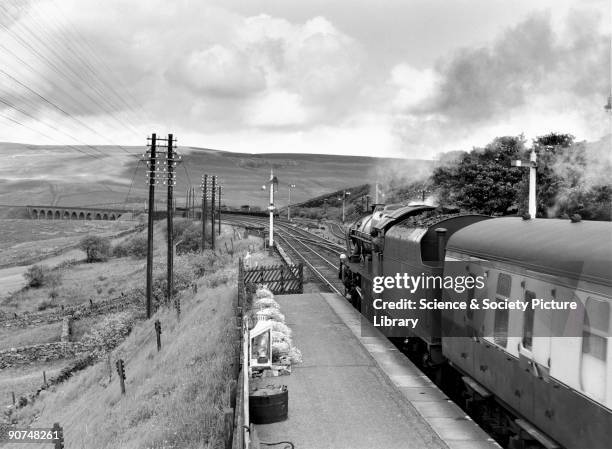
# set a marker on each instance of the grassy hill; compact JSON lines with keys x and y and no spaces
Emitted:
{"x":62,"y":176}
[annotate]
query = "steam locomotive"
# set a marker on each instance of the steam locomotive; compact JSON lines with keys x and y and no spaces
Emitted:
{"x":536,"y":377}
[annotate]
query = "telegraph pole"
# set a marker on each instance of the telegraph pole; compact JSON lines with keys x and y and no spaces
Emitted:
{"x":212,"y":213}
{"x":219,"y":208}
{"x":204,"y":193}
{"x":193,"y":214}
{"x":152,"y":164}
{"x":187,"y":202}
{"x":171,"y":164}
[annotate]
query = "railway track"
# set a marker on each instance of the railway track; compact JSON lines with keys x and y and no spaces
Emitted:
{"x":318,"y":255}
{"x":336,"y":230}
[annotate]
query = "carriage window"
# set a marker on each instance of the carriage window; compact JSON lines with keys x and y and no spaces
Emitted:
{"x":595,"y":328}
{"x":470,"y":295}
{"x":504,"y":282}
{"x":528,"y":321}
{"x":500,"y":332}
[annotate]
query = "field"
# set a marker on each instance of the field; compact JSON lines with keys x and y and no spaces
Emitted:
{"x":53,"y":175}
{"x":27,"y":241}
{"x":173,"y":397}
{"x":161,"y":386}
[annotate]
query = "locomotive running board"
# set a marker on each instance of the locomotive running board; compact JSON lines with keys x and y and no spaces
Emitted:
{"x":536,"y":434}
{"x":479,"y":389}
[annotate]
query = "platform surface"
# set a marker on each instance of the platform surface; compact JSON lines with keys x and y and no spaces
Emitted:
{"x":355,"y":392}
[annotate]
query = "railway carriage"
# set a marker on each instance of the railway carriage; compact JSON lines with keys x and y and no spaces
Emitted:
{"x":549,"y":367}
{"x":540,"y":379}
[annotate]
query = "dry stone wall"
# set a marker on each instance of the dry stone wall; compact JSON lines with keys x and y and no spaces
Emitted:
{"x":76,"y":312}
{"x":45,"y":352}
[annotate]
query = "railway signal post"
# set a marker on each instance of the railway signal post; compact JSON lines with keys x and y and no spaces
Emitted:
{"x":273,"y":185}
{"x":344,"y":195}
{"x":291,"y":186}
{"x":532,"y":164}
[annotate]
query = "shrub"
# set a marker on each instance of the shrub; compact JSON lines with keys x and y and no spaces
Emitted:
{"x":201,"y":263}
{"x":41,"y":276}
{"x":190,"y":240}
{"x":135,"y":247}
{"x":138,"y":246}
{"x":96,"y":248}
{"x":43,"y":305}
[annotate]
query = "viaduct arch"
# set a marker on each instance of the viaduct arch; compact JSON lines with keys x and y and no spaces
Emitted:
{"x":73,"y":213}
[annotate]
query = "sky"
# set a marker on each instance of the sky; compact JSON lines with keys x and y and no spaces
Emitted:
{"x":395,"y":78}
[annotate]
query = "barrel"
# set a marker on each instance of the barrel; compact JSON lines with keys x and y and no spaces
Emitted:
{"x":269,"y":404}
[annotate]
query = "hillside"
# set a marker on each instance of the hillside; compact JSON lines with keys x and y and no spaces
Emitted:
{"x":61,"y":175}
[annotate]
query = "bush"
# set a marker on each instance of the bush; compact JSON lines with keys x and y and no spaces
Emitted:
{"x":96,"y":248}
{"x":41,"y":276}
{"x":135,"y":247}
{"x":44,"y":305}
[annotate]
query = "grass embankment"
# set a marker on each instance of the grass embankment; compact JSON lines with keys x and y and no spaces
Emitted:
{"x":174,"y":398}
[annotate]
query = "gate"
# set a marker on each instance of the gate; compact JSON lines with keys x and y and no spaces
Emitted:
{"x":279,"y":279}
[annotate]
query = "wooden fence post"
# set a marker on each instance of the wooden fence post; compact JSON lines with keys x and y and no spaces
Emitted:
{"x":59,"y":432}
{"x":228,"y":426}
{"x":110,"y":367}
{"x":301,"y":277}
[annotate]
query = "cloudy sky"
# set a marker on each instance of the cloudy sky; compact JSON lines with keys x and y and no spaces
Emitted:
{"x":405,"y":78}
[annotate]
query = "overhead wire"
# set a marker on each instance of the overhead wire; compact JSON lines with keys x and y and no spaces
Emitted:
{"x":80,"y":42}
{"x":17,"y":37}
{"x":60,"y":109}
{"x":68,"y":44}
{"x":47,"y":136}
{"x":131,"y":183}
{"x":27,"y":114}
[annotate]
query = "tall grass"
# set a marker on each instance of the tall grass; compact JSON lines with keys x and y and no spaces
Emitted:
{"x":174,"y":398}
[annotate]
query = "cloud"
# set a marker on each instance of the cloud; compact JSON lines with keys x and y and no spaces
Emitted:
{"x":218,"y":71}
{"x":533,"y":78}
{"x":316,"y":77}
{"x":277,"y":108}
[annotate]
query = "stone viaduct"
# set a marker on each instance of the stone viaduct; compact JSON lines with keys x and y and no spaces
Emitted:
{"x":73,"y":213}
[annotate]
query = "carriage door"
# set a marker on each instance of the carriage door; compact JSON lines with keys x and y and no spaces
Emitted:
{"x":595,"y":333}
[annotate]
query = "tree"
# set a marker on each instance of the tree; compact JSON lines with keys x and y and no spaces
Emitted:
{"x":482,"y":180}
{"x":550,"y":149}
{"x":96,"y":248}
{"x":41,"y":276}
{"x":565,"y":184}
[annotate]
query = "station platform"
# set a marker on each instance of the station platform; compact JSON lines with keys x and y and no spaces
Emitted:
{"x":359,"y":392}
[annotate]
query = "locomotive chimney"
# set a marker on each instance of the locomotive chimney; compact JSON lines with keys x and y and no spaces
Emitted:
{"x":441,"y":235}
